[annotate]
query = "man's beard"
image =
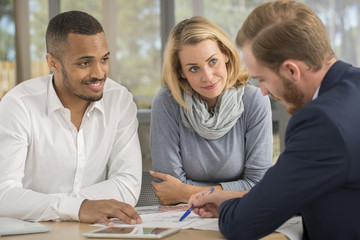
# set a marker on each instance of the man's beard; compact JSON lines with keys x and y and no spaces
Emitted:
{"x":93,"y":98}
{"x":291,"y":95}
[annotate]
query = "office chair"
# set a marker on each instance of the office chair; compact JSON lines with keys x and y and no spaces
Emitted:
{"x":147,"y":196}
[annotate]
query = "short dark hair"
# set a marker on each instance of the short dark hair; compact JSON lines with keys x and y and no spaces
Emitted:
{"x":63,"y":24}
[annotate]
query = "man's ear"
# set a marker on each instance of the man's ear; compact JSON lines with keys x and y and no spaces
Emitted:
{"x":290,"y":70}
{"x":52,"y":62}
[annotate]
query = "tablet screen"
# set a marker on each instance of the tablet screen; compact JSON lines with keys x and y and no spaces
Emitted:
{"x":125,"y":230}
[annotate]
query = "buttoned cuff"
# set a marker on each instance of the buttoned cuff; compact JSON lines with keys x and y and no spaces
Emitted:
{"x":69,"y":208}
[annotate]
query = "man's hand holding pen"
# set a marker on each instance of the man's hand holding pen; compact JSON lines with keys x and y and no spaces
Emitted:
{"x":207,"y":205}
{"x":192,"y":206}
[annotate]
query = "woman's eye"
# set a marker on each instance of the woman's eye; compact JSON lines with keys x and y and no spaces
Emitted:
{"x":213,"y":61}
{"x":193,"y":69}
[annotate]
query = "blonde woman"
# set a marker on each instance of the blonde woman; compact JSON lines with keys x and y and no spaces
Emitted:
{"x":208,"y":126}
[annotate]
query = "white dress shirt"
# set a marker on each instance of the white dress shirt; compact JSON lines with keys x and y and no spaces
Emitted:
{"x":316,"y":94}
{"x":48,"y":167}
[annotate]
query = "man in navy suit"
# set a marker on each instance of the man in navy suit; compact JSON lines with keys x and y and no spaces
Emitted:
{"x":287,"y":49}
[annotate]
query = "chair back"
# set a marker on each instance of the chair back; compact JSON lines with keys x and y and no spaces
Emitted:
{"x":147,"y":196}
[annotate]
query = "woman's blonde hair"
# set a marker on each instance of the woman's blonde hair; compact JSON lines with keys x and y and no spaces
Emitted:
{"x":191,"y":32}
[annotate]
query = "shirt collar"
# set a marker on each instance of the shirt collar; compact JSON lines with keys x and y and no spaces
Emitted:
{"x":316,"y":94}
{"x":98,"y":105}
{"x":54,"y":102}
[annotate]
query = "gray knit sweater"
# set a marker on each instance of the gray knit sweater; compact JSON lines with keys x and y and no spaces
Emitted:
{"x":237,"y":161}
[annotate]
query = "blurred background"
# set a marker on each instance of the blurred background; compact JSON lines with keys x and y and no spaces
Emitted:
{"x":136,"y":32}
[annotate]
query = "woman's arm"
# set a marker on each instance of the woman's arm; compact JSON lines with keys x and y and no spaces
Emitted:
{"x":258,"y":140}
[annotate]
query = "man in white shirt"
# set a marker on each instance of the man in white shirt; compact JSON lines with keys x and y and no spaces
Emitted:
{"x":69,"y":143}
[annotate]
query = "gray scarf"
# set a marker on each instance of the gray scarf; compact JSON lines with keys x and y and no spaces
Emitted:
{"x":220,"y":120}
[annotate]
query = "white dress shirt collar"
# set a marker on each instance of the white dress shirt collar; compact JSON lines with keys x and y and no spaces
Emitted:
{"x":55,"y":103}
{"x":316,"y":94}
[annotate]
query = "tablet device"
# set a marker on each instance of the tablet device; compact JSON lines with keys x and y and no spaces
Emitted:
{"x":132,"y":232}
{"x":11,"y":226}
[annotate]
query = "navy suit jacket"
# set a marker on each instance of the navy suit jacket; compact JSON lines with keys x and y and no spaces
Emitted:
{"x":318,"y":174}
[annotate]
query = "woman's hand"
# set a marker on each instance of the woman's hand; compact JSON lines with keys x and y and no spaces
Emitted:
{"x":171,"y":190}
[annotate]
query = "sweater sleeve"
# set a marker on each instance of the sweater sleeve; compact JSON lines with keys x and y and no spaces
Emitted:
{"x":164,"y":134}
{"x":258,"y":140}
{"x":166,"y":152}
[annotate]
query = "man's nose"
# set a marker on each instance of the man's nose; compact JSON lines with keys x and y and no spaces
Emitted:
{"x":264,"y":90}
{"x":98,"y":71}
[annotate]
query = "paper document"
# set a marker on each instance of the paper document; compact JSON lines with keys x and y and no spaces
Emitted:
{"x":168,"y":217}
{"x":11,"y":226}
{"x":161,"y":209}
{"x":292,"y":228}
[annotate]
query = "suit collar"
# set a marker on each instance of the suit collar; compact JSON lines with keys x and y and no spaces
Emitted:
{"x":333,"y":76}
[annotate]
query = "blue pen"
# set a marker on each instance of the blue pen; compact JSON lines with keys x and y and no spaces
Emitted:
{"x":192,"y":206}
